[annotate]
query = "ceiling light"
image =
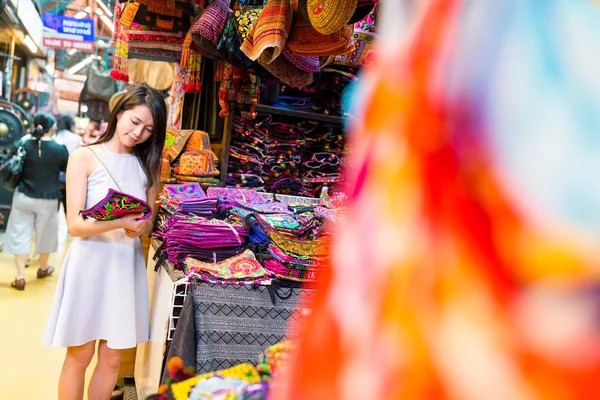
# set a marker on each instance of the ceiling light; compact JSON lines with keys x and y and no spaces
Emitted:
{"x":80,"y":15}
{"x":71,"y":52}
{"x":108,"y":23}
{"x":30,"y":44}
{"x":77,"y":67}
{"x":50,"y":69}
{"x":104,"y":7}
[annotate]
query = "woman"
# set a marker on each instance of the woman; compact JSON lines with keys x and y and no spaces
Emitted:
{"x":102,"y":294}
{"x":66,"y":135}
{"x":36,"y":199}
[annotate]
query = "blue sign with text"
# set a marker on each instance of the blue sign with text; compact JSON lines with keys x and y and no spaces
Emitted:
{"x":60,"y":26}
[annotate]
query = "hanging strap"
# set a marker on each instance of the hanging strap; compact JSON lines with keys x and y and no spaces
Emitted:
{"x":105,"y":167}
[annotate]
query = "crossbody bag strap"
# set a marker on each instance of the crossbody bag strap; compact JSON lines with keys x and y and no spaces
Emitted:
{"x":105,"y":167}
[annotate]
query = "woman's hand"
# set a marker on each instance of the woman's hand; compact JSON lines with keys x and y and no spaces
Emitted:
{"x":132,"y":226}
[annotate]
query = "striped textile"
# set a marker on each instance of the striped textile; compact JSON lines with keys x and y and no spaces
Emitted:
{"x":269,"y":34}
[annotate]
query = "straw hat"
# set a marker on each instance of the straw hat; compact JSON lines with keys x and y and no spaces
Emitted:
{"x":158,"y":74}
{"x":135,"y":70}
{"x":114,"y":99}
{"x":329,"y":16}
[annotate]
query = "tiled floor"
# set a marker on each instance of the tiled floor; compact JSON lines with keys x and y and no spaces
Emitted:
{"x":28,"y":370}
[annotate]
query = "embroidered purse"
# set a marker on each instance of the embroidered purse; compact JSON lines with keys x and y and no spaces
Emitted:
{"x":116,"y":204}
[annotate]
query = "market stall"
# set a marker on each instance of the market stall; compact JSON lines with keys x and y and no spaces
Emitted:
{"x":254,"y":156}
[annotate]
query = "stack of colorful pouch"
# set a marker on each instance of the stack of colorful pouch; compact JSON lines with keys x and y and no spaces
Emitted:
{"x":188,"y":198}
{"x":206,"y":240}
{"x":241,"y":269}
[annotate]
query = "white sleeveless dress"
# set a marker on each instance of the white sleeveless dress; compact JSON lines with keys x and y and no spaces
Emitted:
{"x":102,"y":291}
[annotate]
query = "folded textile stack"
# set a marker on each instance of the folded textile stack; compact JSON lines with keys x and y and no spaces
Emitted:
{"x":209,"y":240}
{"x":188,"y":198}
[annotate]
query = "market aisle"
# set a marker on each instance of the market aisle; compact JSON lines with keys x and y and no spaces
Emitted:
{"x":28,"y":370}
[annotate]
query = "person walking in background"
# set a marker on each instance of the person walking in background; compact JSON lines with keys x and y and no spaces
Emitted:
{"x":66,"y":135}
{"x":36,"y":199}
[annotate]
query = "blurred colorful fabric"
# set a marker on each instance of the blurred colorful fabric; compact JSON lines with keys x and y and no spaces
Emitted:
{"x":467,"y":264}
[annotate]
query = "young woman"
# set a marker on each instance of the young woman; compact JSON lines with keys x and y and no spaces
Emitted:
{"x":102,"y":293}
{"x":36,"y":200}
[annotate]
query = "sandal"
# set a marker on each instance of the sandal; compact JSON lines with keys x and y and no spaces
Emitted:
{"x":18,"y":284}
{"x":44,"y":273}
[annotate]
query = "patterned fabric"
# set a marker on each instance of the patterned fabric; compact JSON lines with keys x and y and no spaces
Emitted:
{"x":266,"y":39}
{"x":176,"y":96}
{"x":287,"y":72}
{"x":212,"y":22}
{"x":264,"y":207}
{"x":116,"y":205}
{"x":197,"y":163}
{"x":300,"y":262}
{"x":230,"y":196}
{"x":306,"y":41}
{"x":299,"y":247}
{"x":363,"y":38}
{"x":235,"y":323}
{"x":245,"y":19}
{"x":282,"y":271}
{"x":286,"y":221}
{"x":175,"y":142}
{"x":239,"y":268}
{"x":307,"y":64}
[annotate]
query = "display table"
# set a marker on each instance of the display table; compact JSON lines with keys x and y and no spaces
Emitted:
{"x":219,"y":325}
{"x":150,"y":355}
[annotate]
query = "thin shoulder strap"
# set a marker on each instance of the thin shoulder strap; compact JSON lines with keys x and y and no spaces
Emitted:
{"x":105,"y":167}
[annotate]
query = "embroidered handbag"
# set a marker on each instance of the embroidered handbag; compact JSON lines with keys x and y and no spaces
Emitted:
{"x":116,"y":204}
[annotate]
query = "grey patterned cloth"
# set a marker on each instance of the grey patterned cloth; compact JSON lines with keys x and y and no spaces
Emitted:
{"x":233,"y":324}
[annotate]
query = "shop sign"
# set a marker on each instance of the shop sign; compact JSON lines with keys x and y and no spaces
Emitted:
{"x":63,"y":32}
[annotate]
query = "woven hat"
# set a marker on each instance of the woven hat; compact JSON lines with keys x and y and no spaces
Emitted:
{"x":114,"y":99}
{"x":158,"y":74}
{"x":305,"y":63}
{"x":135,"y":70}
{"x":269,"y":33}
{"x":304,"y":40}
{"x":329,"y":16}
{"x":288,"y":73}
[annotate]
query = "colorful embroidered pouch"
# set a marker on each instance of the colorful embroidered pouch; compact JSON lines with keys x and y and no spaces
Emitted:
{"x":241,"y":267}
{"x":116,"y":205}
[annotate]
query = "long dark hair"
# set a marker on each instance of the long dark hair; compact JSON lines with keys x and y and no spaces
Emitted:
{"x":42,"y":122}
{"x":149,"y":152}
{"x":65,"y":123}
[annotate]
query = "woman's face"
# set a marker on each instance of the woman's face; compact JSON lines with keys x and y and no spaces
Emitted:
{"x":134,"y":126}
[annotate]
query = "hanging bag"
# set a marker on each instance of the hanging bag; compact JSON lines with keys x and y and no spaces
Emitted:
{"x":11,"y":170}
